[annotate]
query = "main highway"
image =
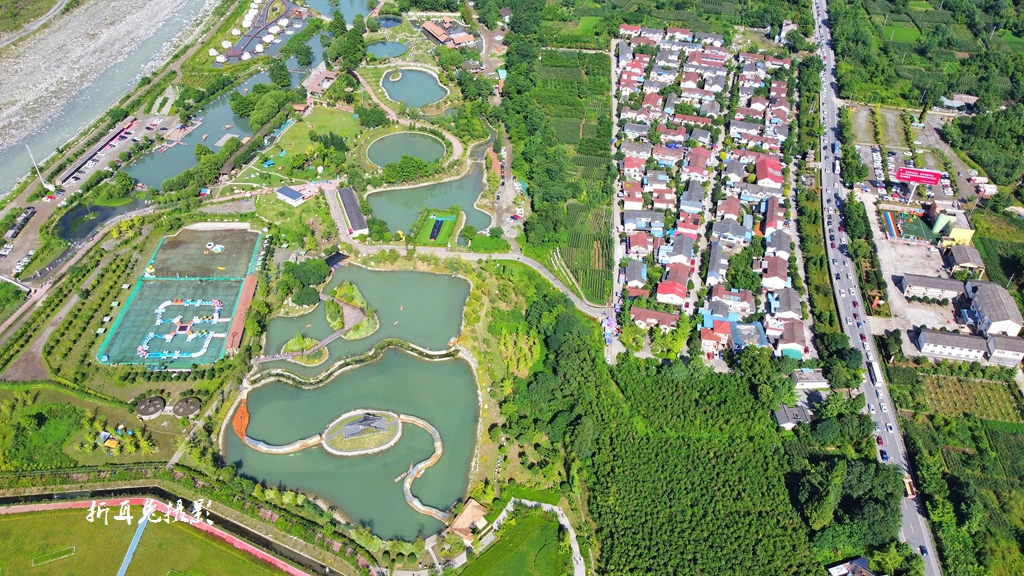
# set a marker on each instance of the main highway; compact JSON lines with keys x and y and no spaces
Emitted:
{"x":914,"y":529}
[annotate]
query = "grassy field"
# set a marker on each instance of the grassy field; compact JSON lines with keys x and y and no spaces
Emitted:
{"x":898,"y":33}
{"x":1005,"y":40}
{"x":920,"y":6}
{"x":984,"y":398}
{"x":292,"y":221}
{"x":176,"y":547}
{"x":486,"y":244}
{"x":528,"y":547}
{"x":18,"y":13}
{"x":322,"y":120}
{"x":98,"y":548}
{"x":588,"y":24}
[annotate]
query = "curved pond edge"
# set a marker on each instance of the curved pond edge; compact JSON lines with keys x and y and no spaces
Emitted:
{"x":387,"y":76}
{"x":351,"y":413}
{"x":408,"y":130}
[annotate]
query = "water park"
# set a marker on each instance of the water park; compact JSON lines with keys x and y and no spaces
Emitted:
{"x":181,"y":327}
{"x":193,"y":285}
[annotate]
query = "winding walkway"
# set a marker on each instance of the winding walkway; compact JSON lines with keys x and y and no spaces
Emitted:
{"x":349,"y":312}
{"x":418,"y":469}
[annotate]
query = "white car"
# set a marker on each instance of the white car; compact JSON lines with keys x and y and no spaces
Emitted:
{"x":871,"y":408}
{"x":888,"y":426}
{"x":842,"y":293}
{"x":849,"y":322}
{"x":883,"y":406}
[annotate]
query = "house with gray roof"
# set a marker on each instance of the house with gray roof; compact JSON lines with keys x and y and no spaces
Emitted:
{"x":929,"y":286}
{"x":692,"y":200}
{"x":951,"y":345}
{"x":965,"y":257}
{"x":636,"y":150}
{"x":996,"y":310}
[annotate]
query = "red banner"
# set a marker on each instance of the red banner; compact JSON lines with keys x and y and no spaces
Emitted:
{"x":918,"y":176}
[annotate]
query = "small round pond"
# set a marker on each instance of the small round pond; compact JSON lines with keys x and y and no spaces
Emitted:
{"x":388,"y":21}
{"x":392,"y":147}
{"x":414,"y":87}
{"x":386,"y":49}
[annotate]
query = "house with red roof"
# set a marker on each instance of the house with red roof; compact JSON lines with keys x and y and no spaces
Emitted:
{"x":629,"y":30}
{"x":666,"y":156}
{"x":633,"y":168}
{"x":688,"y":119}
{"x":774,"y":273}
{"x":679,"y":34}
{"x":739,"y":301}
{"x":663,"y":198}
{"x":728,"y":209}
{"x":672,"y":289}
{"x":648,"y":319}
{"x":633,"y":196}
{"x":716,"y":339}
{"x":688,"y":225}
{"x":696,"y":167}
{"x":640,"y":244}
{"x":759,"y":103}
{"x":774,"y":215}
{"x":654,"y":101}
{"x":689,"y":80}
{"x":769,"y":172}
{"x":667,"y":134}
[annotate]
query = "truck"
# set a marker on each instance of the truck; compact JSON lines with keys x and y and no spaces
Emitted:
{"x":876,"y":373}
{"x":837,"y":166}
{"x":908,"y":485}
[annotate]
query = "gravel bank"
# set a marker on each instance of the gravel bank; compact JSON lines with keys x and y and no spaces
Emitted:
{"x":43,"y":72}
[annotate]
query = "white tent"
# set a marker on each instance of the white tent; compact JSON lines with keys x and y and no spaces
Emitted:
{"x":283,"y":21}
{"x":236,"y":32}
{"x":259,"y":48}
{"x":274,"y":29}
{"x":221,"y":59}
{"x":246,"y":55}
{"x":268,"y":38}
{"x":225,"y":44}
{"x":213,"y":52}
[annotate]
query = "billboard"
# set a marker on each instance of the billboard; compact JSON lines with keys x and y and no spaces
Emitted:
{"x":918,"y":176}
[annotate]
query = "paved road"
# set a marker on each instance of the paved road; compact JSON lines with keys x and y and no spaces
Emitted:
{"x":914,"y":525}
{"x":35,"y":25}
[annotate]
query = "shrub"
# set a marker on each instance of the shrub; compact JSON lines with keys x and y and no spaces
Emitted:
{"x":306,"y":297}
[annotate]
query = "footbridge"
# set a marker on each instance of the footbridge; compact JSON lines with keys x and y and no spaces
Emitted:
{"x":353,"y":315}
{"x":418,"y":469}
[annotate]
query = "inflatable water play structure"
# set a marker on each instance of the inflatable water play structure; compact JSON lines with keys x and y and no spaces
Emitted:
{"x":185,"y":328}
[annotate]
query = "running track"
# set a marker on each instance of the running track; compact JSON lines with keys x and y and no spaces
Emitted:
{"x":161,"y":507}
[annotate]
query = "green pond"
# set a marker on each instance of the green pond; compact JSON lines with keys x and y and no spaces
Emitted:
{"x":421,"y":308}
{"x":392,"y":147}
{"x":363,"y":487}
{"x":414,"y":88}
{"x":400,"y":207}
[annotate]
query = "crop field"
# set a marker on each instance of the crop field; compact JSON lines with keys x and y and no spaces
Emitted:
{"x":986,"y":399}
{"x":1005,"y":41}
{"x":567,"y":130}
{"x":589,"y":251}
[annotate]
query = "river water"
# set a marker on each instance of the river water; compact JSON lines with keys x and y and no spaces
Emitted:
{"x":91,"y":101}
{"x":425,"y":309}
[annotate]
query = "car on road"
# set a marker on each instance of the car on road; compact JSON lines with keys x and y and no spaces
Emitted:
{"x":924,"y":551}
{"x":835,"y":262}
{"x":834,"y":247}
{"x":879,"y":440}
{"x":863,"y":338}
{"x":837,"y":276}
{"x":842,"y":293}
{"x":871,"y":408}
{"x":856,"y":304}
{"x":848,"y":321}
{"x":888,"y":426}
{"x":884,"y":455}
{"x":878,"y":427}
{"x":885,"y":409}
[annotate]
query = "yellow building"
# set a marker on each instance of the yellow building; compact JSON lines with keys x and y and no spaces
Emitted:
{"x":954,"y":228}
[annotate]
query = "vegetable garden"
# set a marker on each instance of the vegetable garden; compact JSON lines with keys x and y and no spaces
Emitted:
{"x":589,"y":251}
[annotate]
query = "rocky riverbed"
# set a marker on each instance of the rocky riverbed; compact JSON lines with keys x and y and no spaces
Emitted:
{"x":43,"y":72}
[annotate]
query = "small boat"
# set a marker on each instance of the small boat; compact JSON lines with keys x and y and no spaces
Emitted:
{"x":204,"y":137}
{"x":226,"y":126}
{"x":453,"y":340}
{"x":309,"y":325}
{"x":400,"y":308}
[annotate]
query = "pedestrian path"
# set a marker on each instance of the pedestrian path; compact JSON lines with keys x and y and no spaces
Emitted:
{"x":143,"y":522}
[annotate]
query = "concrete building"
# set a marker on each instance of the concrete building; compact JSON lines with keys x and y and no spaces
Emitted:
{"x":788,"y":417}
{"x":291,"y":196}
{"x":965,"y":257}
{"x":809,"y":379}
{"x":951,"y":345}
{"x":1005,"y":350}
{"x":672,"y":289}
{"x":996,"y":310}
{"x":929,"y":286}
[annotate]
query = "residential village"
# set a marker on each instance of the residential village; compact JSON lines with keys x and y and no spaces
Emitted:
{"x":705,"y":195}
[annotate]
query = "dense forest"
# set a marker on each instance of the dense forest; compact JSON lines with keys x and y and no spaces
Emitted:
{"x":995,"y":141}
{"x":683,"y":470}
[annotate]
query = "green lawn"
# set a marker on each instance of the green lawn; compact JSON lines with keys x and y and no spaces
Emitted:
{"x":528,"y":547}
{"x":487,"y":245}
{"x":1007,"y":41}
{"x":323,"y":121}
{"x":98,"y":548}
{"x":588,"y":24}
{"x":167,"y":547}
{"x":920,"y":6}
{"x":291,"y":220}
{"x":897,"y":33}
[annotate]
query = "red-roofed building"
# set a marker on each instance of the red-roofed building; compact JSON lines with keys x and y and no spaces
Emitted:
{"x":773,"y":62}
{"x":689,"y":80}
{"x":739,"y":301}
{"x":696,"y":168}
{"x":679,"y":34}
{"x":688,"y":225}
{"x":653,"y":100}
{"x":687,"y":119}
{"x":769,"y":172}
{"x":677,"y":135}
{"x":434,"y":31}
{"x":663,"y":199}
{"x":640,"y":244}
{"x":633,"y":196}
{"x":648,"y":319}
{"x":460,"y":40}
{"x":716,"y":339}
{"x":774,"y":215}
{"x":633,"y":168}
{"x":629,"y":30}
{"x":728,"y":209}
{"x":640,"y":40}
{"x":775,"y":273}
{"x":637,"y":293}
{"x":672,"y":290}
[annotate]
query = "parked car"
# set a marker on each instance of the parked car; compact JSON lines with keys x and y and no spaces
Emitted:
{"x":884,"y":455}
{"x":879,"y":440}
